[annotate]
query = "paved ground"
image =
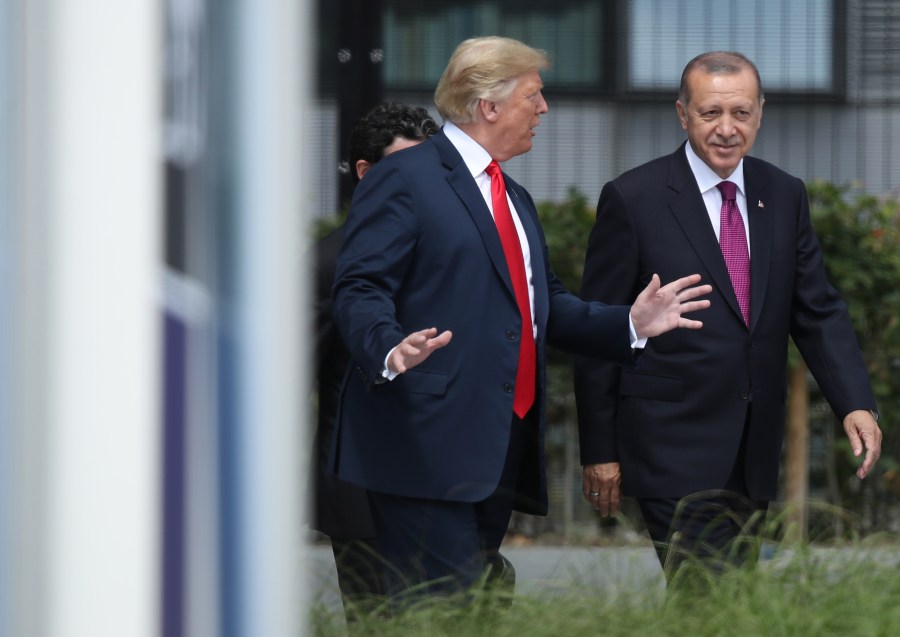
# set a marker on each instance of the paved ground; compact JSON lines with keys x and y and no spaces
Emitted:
{"x":544,"y":570}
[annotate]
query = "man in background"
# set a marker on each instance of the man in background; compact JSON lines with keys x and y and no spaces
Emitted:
{"x":695,"y":432}
{"x":340,"y":509}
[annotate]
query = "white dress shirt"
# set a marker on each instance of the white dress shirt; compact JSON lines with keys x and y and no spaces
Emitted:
{"x":708,"y":181}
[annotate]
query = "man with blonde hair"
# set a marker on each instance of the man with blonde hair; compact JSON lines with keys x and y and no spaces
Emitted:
{"x":444,"y":427}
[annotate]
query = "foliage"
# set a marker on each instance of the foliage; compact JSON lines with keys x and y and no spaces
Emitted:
{"x":860,"y":237}
{"x":320,"y":226}
{"x":566,"y":229}
{"x":810,"y":592}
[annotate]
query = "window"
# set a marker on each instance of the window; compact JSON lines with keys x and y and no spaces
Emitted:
{"x":791,"y":41}
{"x":419,"y":38}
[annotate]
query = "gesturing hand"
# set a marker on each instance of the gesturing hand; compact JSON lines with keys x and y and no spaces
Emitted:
{"x":659,"y":309}
{"x":415,"y":348}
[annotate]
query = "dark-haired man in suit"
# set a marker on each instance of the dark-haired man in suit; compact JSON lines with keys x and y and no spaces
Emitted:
{"x":695,"y":432}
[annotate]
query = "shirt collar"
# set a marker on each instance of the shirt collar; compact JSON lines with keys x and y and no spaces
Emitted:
{"x":475,"y":157}
{"x":706,"y":178}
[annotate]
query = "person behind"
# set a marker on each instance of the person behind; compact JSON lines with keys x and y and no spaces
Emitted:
{"x":340,"y":509}
{"x":446,"y":301}
{"x":695,"y":433}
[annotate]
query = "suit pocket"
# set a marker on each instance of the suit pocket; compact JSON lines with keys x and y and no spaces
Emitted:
{"x":654,"y":387}
{"x":417,"y":382}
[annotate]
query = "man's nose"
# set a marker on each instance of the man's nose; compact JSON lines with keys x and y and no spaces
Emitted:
{"x":726,"y":126}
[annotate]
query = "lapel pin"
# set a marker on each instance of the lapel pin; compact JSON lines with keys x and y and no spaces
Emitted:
{"x":760,"y":204}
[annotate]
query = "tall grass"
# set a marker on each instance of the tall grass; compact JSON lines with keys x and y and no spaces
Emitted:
{"x":849,"y":591}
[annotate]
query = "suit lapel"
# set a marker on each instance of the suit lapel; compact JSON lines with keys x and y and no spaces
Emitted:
{"x":689,"y":209}
{"x":460,"y":179}
{"x":760,"y":215}
{"x":529,"y":219}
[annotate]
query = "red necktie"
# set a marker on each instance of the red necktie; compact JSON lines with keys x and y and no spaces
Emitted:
{"x":525,"y":375}
{"x":733,"y":241}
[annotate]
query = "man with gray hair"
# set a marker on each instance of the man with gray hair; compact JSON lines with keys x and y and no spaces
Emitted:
{"x":695,"y":434}
{"x":444,"y":427}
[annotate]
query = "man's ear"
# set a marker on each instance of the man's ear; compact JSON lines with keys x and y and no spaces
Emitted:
{"x":362,"y":167}
{"x":488,"y":109}
{"x":682,"y":114}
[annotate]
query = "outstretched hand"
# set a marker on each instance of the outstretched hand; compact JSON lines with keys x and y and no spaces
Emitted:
{"x":415,"y":348}
{"x":659,"y":309}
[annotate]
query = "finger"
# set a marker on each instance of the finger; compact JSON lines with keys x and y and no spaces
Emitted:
{"x":615,"y":496}
{"x":614,"y":507}
{"x":603,"y":508}
{"x":690,"y":324}
{"x":693,"y":292}
{"x":873,"y":452}
{"x":607,"y":495}
{"x":441,"y":340}
{"x":684,"y":282}
{"x":652,"y":287}
{"x":865,"y":467}
{"x":871,"y":458}
{"x":693,"y":306}
{"x":855,"y":442}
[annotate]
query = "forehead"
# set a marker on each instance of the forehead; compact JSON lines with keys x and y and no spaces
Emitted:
{"x":529,"y":81}
{"x":716,"y":87}
{"x":400,"y":143}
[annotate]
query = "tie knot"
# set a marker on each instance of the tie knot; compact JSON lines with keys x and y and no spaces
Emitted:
{"x":493,"y":168}
{"x":728,"y":190}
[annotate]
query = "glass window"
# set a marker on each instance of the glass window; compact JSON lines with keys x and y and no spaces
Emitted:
{"x":791,"y":41}
{"x":420,"y":37}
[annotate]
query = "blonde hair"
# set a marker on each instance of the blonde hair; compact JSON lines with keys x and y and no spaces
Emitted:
{"x":483,"y":68}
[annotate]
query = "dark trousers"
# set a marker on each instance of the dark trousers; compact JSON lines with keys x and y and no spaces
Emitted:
{"x":440,"y":546}
{"x":713,"y":528}
{"x":360,"y":574}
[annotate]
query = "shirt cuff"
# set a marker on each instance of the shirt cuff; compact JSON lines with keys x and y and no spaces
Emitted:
{"x":636,"y":343}
{"x":385,"y":372}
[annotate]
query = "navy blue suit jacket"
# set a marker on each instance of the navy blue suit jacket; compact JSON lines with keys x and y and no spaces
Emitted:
{"x":675,"y":423}
{"x":421,"y":250}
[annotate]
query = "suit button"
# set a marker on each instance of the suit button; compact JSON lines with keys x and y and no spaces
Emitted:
{"x":508,"y":388}
{"x":510,"y":335}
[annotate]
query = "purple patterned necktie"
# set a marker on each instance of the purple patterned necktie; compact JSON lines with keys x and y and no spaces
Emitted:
{"x":733,"y":241}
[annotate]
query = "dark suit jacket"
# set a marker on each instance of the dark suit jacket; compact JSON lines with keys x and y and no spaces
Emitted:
{"x":421,"y":250}
{"x":675,"y":423}
{"x":340,"y":509}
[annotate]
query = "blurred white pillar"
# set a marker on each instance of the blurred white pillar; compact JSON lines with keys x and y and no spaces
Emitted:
{"x":273,"y":39}
{"x":87,"y":318}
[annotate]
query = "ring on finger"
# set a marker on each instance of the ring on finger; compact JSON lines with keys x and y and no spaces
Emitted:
{"x":594,"y":493}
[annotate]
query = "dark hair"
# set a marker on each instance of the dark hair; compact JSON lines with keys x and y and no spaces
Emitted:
{"x":377,"y":129}
{"x":717,"y":63}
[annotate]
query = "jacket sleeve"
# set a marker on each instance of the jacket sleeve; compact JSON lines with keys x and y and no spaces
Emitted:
{"x":379,"y":244}
{"x":611,"y":274}
{"x":821,"y":327}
